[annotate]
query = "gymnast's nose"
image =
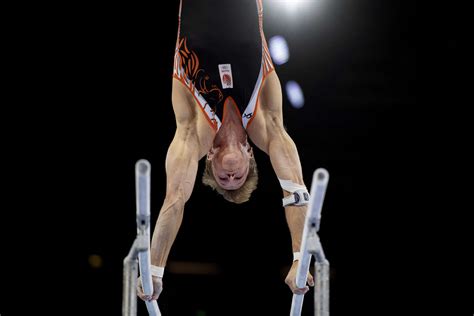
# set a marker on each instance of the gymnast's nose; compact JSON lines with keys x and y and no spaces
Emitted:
{"x":229,"y":161}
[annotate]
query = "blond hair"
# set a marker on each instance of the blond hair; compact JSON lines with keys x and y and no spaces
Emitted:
{"x":239,"y":195}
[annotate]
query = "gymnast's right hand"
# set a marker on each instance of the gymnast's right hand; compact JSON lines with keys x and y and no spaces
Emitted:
{"x":157,"y":288}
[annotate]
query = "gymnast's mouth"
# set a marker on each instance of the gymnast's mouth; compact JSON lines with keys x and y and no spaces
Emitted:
{"x":231,"y":184}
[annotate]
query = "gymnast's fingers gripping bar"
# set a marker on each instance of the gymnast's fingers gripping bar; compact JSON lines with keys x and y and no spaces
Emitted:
{"x":142,"y":184}
{"x":310,"y":244}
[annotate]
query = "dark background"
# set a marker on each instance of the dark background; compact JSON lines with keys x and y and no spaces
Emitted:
{"x":99,"y":99}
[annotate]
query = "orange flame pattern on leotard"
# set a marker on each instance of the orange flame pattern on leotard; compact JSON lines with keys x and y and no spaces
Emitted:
{"x":187,"y":70}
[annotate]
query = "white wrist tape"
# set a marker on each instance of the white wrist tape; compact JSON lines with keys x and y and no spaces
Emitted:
{"x":300,"y":194}
{"x":157,"y":271}
{"x":296,"y":256}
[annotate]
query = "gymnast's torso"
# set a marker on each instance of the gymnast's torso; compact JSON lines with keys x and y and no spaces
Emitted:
{"x":221,"y":54}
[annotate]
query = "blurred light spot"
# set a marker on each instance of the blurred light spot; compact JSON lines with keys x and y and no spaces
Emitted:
{"x":279,"y":50}
{"x":95,"y":261}
{"x":295,"y":94}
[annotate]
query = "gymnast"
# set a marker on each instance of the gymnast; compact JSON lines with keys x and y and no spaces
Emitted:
{"x":225,"y":91}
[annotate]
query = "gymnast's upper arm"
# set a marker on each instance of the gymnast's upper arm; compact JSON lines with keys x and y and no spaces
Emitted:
{"x":182,"y":163}
{"x":184,"y":104}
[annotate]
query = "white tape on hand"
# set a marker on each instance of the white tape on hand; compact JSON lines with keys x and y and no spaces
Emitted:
{"x":157,"y":271}
{"x":296,"y":256}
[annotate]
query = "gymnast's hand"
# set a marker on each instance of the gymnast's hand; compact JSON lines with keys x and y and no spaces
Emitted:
{"x":157,"y":288}
{"x":291,"y":280}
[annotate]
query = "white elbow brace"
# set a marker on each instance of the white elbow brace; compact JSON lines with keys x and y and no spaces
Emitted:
{"x":300,"y":194}
{"x":157,"y":271}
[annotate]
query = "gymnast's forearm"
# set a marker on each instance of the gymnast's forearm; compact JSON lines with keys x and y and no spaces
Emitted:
{"x":166,"y":229}
{"x":181,"y":168}
{"x":286,"y":163}
{"x":295,"y":217}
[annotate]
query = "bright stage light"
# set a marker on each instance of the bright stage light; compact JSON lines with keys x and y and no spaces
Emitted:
{"x":279,"y":50}
{"x":295,"y":94}
{"x":292,"y":5}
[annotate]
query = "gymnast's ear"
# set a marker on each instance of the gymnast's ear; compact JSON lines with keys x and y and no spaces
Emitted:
{"x":211,"y":153}
{"x":249,"y":150}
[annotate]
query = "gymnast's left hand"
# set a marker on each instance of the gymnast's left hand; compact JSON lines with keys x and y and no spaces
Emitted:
{"x":291,"y":280}
{"x":157,"y":288}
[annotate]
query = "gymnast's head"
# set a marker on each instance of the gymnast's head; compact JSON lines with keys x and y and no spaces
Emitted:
{"x":232,"y":172}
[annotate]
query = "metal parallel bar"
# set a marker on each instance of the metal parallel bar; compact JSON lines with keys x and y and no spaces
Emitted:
{"x":297,"y":304}
{"x":142,"y":185}
{"x":139,"y":255}
{"x":321,"y":291}
{"x":325,"y":289}
{"x":129,"y":298}
{"x":130,"y":274}
{"x":313,"y":217}
{"x":310,"y":244}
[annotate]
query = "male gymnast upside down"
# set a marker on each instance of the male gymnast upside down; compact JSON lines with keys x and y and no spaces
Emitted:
{"x":225,"y":90}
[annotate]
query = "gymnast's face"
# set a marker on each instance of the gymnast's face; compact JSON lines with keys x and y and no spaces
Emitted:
{"x":230,"y":165}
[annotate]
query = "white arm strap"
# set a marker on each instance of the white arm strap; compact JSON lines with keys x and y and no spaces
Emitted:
{"x":300,"y":194}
